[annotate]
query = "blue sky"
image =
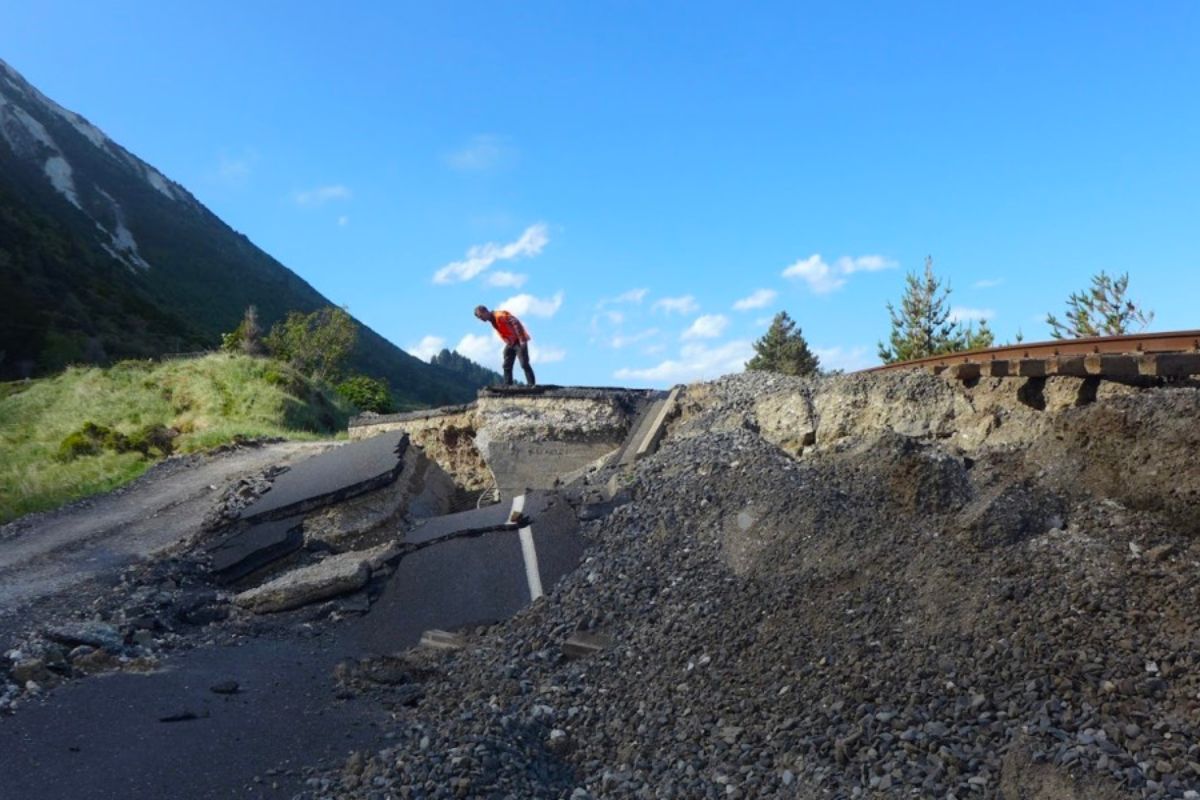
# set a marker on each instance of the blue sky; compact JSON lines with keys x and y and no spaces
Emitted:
{"x":647,"y":183}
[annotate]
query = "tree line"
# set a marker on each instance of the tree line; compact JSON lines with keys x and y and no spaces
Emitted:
{"x":317,"y":344}
{"x":923,"y":325}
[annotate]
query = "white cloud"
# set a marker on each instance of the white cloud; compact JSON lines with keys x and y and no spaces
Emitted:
{"x":481,"y":154}
{"x":820,"y":276}
{"x":963,"y":314}
{"x":321,"y":195}
{"x":620,"y":340}
{"x":503,"y":278}
{"x":343,"y":221}
{"x":428,"y":347}
{"x":987,"y":283}
{"x":848,"y":359}
{"x":483,"y":349}
{"x":849,"y":266}
{"x":709,"y":326}
{"x":528,"y":305}
{"x":545,"y":355}
{"x":632,"y":296}
{"x":759,"y":299}
{"x":481,"y":256}
{"x":823,"y":278}
{"x":695,"y":362}
{"x":677,"y":305}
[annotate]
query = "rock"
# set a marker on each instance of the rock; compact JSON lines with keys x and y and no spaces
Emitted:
{"x":336,"y":575}
{"x":95,"y":661}
{"x":93,"y":634}
{"x":558,"y":741}
{"x":224,"y":687}
{"x":1160,"y":552}
{"x":33,"y":669}
{"x":581,"y":644}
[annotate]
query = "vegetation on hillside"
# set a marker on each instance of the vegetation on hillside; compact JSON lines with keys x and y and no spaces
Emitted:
{"x":1101,"y":310}
{"x":90,"y":429}
{"x":475,"y":374}
{"x":783,"y":349}
{"x":923,"y":325}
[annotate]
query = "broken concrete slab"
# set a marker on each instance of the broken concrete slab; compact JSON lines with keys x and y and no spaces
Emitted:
{"x":658,"y":415}
{"x":442,"y":640}
{"x":523,"y":465}
{"x":643,"y":428}
{"x":530,"y":440}
{"x":246,"y":551}
{"x":331,"y":577}
{"x":583,"y":644}
{"x":333,"y":476}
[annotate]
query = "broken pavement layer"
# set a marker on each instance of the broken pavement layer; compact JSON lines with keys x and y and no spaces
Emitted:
{"x":481,"y":520}
{"x":339,"y":474}
{"x":245,"y":552}
{"x":474,"y":575}
{"x":336,"y":498}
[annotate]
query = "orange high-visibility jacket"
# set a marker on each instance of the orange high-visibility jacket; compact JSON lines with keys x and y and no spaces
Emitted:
{"x":509,"y":328}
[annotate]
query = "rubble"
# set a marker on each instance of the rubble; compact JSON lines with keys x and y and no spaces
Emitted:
{"x":330,"y":577}
{"x":919,"y":589}
{"x":859,"y":586}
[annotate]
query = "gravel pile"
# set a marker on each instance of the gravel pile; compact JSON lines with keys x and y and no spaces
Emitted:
{"x":889,"y":617}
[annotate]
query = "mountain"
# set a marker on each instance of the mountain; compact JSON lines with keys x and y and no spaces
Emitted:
{"x":102,"y":257}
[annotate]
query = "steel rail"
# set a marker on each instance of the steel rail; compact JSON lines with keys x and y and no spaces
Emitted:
{"x":1138,"y":343}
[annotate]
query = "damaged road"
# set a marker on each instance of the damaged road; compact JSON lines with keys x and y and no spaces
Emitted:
{"x":44,"y":554}
{"x":249,"y":661}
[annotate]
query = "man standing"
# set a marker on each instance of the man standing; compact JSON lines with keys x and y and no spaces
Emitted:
{"x":516,"y":341}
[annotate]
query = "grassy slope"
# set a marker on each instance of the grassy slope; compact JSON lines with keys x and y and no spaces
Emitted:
{"x":210,"y":401}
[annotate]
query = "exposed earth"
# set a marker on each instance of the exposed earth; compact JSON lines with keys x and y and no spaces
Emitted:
{"x":861,"y":586}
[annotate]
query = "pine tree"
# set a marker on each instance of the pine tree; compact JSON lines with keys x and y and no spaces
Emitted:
{"x":923,"y":325}
{"x":1102,"y":310}
{"x":783,"y":349}
{"x":978,"y":339}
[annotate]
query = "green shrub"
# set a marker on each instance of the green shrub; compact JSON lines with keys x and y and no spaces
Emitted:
{"x":152,"y":441}
{"x":75,"y":445}
{"x":274,"y":377}
{"x":367,"y":394}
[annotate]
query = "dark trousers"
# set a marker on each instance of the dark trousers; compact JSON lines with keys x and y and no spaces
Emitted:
{"x":512,"y":351}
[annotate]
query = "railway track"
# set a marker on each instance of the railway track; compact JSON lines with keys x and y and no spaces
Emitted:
{"x":1172,"y":354}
